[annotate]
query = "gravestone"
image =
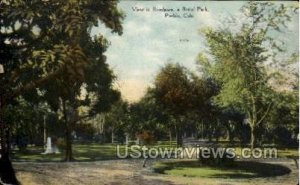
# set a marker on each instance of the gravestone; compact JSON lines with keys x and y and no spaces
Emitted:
{"x":1,"y":69}
{"x":50,"y":148}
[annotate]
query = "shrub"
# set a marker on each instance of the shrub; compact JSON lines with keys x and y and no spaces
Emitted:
{"x":146,"y":137}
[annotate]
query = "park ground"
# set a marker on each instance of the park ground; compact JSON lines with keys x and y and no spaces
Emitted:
{"x":35,"y":169}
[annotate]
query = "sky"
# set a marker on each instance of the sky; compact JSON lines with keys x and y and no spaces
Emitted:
{"x":150,"y":39}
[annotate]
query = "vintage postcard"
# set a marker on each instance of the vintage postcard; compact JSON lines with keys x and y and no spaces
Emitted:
{"x":149,"y":92}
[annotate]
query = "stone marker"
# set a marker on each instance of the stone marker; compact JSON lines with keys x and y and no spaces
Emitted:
{"x":50,"y":148}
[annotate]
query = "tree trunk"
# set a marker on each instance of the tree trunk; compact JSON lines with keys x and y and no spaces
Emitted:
{"x":253,"y":139}
{"x":7,"y":173}
{"x":253,"y":123}
{"x":170,"y":136}
{"x":69,"y":154}
{"x":202,"y":130}
{"x":231,"y":137}
{"x":179,"y":136}
{"x":68,"y":137}
{"x":210,"y":134}
{"x":126,"y":138}
{"x":230,"y":133}
{"x":112,"y":136}
{"x":176,"y":135}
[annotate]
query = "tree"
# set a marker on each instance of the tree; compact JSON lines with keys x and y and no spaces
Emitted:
{"x":149,"y":116}
{"x":117,"y":119}
{"x":172,"y":89}
{"x":282,"y":122}
{"x":26,"y":120}
{"x":237,"y":61}
{"x":40,"y":41}
{"x":232,"y":120}
{"x":182,"y":94}
{"x":93,"y":89}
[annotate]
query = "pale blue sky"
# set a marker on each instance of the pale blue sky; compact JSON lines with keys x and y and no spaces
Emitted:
{"x":150,"y":40}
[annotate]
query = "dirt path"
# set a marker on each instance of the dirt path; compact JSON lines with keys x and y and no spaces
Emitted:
{"x":126,"y":172}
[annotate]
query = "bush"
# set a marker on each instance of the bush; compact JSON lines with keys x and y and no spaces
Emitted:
{"x":146,"y":137}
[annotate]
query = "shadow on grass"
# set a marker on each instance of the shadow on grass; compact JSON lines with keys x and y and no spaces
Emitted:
{"x":239,"y":169}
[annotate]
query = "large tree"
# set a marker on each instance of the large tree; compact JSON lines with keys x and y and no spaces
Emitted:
{"x":181,"y":93}
{"x":92,"y":91}
{"x":40,"y":40}
{"x":172,"y":89}
{"x":237,"y":60}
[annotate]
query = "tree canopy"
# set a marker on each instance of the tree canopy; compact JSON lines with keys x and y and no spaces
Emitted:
{"x":238,"y":60}
{"x":48,"y":42}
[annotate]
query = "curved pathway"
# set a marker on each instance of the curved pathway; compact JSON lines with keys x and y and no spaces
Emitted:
{"x":128,"y":172}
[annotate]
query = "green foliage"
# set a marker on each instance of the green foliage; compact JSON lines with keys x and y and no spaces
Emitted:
{"x":47,"y":50}
{"x":42,"y":39}
{"x":118,"y":116}
{"x":180,"y":92}
{"x":25,"y":121}
{"x":237,"y":60}
{"x":173,"y":88}
{"x":282,"y":122}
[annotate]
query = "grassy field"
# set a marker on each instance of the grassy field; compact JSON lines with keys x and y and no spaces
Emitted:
{"x":239,"y":169}
{"x":99,"y":170}
{"x":82,"y":152}
{"x":95,"y":151}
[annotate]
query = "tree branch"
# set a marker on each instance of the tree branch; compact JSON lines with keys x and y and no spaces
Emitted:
{"x":31,"y":85}
{"x":266,"y":113}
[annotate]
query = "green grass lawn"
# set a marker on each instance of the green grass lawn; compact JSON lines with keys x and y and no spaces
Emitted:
{"x":81,"y":152}
{"x":293,"y":153}
{"x":239,"y":169}
{"x":281,"y":152}
{"x":95,"y":151}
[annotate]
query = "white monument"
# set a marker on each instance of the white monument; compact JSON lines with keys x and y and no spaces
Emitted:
{"x":1,"y":69}
{"x":48,"y":146}
{"x":50,"y":149}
